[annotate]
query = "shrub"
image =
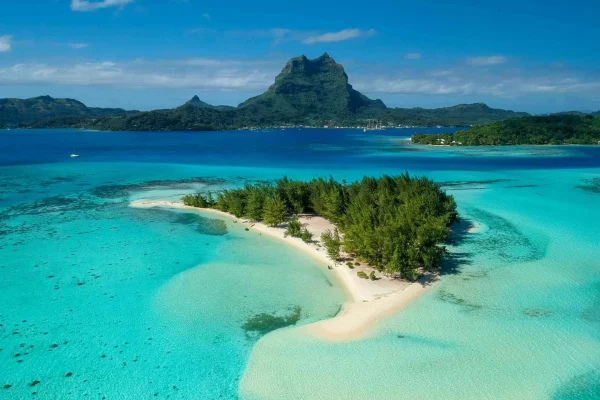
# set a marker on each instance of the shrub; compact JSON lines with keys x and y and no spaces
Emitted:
{"x":306,"y":235}
{"x":362,"y":274}
{"x":294,"y":228}
{"x":194,"y":200}
{"x":350,"y":265}
{"x":332,"y":243}
{"x":372,"y":276}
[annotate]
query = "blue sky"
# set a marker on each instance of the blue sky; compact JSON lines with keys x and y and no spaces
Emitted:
{"x":530,"y":55}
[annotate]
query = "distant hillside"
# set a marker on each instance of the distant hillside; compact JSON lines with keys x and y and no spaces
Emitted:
{"x":553,"y":129}
{"x":459,"y":115}
{"x":580,"y":113}
{"x":305,"y":93}
{"x":22,"y":111}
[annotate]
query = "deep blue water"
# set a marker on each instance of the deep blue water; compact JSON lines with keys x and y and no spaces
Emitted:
{"x":290,"y":148}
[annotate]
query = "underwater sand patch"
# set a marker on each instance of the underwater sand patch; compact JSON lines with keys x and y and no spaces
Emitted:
{"x":263,"y":323}
{"x":584,"y":387}
{"x":459,"y":301}
{"x":470,"y":184}
{"x":537,"y":312}
{"x":590,"y":185}
{"x":124,"y":190}
{"x":504,"y":240}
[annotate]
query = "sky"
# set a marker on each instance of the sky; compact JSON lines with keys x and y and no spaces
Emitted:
{"x":530,"y":55}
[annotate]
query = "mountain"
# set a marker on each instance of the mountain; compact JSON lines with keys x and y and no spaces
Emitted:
{"x":580,"y":113}
{"x":310,"y":90}
{"x":459,"y":115}
{"x":305,"y":93}
{"x":19,"y":111}
{"x":196,"y":102}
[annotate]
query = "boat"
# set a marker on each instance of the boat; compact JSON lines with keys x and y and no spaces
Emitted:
{"x":74,"y":155}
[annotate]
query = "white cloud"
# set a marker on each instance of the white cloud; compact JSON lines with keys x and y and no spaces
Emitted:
{"x":487,"y":60}
{"x":339,"y":36}
{"x":87,"y":5}
{"x":78,"y":46}
{"x":5,"y":43}
{"x":276,"y":35}
{"x":413,"y":86}
{"x":139,"y":75}
{"x":412,"y":56}
{"x":482,"y":83}
{"x":255,"y":75}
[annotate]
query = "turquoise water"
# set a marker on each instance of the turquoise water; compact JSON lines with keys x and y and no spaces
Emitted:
{"x":100,"y":300}
{"x":519,"y":319}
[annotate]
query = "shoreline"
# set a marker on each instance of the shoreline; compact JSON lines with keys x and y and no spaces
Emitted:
{"x":368,"y":301}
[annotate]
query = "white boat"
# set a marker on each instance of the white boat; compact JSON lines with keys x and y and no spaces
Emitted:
{"x":74,"y":155}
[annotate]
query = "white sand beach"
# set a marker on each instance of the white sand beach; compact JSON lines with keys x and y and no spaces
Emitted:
{"x":370,"y":301}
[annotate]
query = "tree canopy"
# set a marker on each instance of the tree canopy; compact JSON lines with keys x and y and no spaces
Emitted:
{"x":552,"y":129}
{"x":395,"y":223}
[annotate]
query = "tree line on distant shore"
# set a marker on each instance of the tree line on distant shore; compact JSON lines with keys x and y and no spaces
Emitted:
{"x":395,"y":223}
{"x":552,"y":129}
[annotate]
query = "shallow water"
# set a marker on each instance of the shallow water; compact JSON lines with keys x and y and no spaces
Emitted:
{"x":101,"y":300}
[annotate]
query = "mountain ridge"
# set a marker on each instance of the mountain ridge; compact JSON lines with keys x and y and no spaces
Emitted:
{"x":14,"y":111}
{"x":307,"y":92}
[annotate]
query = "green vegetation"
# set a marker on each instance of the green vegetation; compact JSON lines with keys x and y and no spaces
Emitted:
{"x":305,"y":93}
{"x":294,"y":228}
{"x":553,"y":129}
{"x":372,"y":276}
{"x":362,"y":274}
{"x":332,"y":243}
{"x":27,"y":111}
{"x":195,"y":200}
{"x":396,"y":224}
{"x":306,"y":236}
{"x":274,"y":211}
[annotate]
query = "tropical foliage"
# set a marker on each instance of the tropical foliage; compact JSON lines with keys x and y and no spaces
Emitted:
{"x":395,"y":223}
{"x":332,"y":243}
{"x":553,"y":129}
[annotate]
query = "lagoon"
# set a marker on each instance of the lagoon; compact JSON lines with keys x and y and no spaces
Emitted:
{"x":101,"y":300}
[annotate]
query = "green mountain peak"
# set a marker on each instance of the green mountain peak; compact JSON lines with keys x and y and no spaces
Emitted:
{"x":310,"y":89}
{"x":307,"y":92}
{"x":196,"y":102}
